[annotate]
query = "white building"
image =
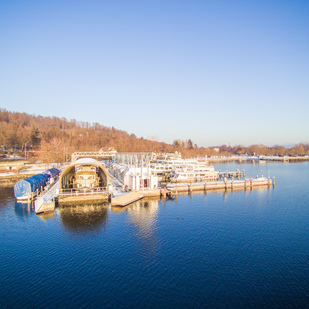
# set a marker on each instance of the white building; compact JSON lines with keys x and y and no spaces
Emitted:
{"x":135,"y":177}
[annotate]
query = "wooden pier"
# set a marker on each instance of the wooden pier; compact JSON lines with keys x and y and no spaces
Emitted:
{"x":127,"y":198}
{"x":170,"y":190}
{"x":245,"y":184}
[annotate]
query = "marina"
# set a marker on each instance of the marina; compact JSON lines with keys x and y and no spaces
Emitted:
{"x":123,"y":178}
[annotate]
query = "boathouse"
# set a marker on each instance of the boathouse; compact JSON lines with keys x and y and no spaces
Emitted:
{"x":81,"y":172}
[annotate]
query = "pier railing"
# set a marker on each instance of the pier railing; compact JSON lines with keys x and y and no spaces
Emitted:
{"x":78,"y":192}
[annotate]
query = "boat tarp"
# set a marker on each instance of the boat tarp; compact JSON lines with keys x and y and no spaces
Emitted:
{"x":25,"y":187}
{"x":52,"y":172}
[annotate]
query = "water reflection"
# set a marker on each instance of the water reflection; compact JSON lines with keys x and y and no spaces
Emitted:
{"x":6,"y":198}
{"x":144,"y":216}
{"x":84,"y":219}
{"x":23,"y":210}
{"x":46,"y":216}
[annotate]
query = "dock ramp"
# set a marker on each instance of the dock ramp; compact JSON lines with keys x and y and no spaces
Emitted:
{"x":45,"y":202}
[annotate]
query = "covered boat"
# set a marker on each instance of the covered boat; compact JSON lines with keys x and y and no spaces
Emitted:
{"x":25,"y":188}
{"x":52,"y":172}
{"x":52,"y":175}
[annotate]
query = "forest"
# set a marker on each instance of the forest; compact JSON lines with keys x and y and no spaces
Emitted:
{"x":53,"y":139}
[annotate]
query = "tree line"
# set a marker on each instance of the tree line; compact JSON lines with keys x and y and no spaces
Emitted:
{"x":54,"y":139}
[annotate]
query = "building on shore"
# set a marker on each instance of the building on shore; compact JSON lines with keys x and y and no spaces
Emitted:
{"x":135,"y":177}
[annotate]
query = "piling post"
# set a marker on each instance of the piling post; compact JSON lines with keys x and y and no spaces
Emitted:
{"x":232,"y":186}
{"x":205,"y":187}
{"x":245,"y":184}
{"x":243,"y":173}
{"x":190,"y":187}
{"x":269,"y":182}
{"x":225,"y":181}
{"x":273,"y":181}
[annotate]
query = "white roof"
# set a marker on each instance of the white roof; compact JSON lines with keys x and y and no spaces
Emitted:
{"x":86,"y":161}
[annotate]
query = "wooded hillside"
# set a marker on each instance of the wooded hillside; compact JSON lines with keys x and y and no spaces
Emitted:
{"x":60,"y":136}
{"x":54,"y":139}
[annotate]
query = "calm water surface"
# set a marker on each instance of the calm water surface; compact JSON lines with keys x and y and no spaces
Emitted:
{"x":241,"y":249}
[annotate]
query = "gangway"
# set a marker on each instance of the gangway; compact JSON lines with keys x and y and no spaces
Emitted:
{"x":117,"y":185}
{"x":45,"y":202}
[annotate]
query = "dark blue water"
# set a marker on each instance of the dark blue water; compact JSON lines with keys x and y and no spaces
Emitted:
{"x":241,"y":249}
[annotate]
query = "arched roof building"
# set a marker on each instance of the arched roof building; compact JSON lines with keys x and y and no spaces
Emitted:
{"x":68,"y":175}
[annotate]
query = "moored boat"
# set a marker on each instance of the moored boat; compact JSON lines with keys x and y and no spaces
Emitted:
{"x":190,"y":176}
{"x":29,"y":188}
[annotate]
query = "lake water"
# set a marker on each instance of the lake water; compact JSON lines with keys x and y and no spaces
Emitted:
{"x":241,"y":249}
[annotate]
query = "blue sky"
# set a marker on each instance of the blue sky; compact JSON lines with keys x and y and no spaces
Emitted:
{"x":217,"y":72}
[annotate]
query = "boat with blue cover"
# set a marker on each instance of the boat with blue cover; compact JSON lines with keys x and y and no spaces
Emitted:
{"x":27,"y":189}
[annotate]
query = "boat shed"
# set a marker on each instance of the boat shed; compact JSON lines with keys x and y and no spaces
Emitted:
{"x":68,"y":174}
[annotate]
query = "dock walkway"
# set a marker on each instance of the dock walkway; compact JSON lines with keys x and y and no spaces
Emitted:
{"x":173,"y":189}
{"x":45,"y":202}
{"x":127,"y":198}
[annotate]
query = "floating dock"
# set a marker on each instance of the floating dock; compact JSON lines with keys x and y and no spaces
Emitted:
{"x":173,"y":189}
{"x":127,"y":198}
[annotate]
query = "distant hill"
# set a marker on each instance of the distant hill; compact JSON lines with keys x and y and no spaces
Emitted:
{"x":40,"y":133}
{"x":53,"y":138}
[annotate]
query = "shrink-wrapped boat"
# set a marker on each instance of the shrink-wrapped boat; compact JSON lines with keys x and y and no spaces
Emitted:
{"x":25,"y":189}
